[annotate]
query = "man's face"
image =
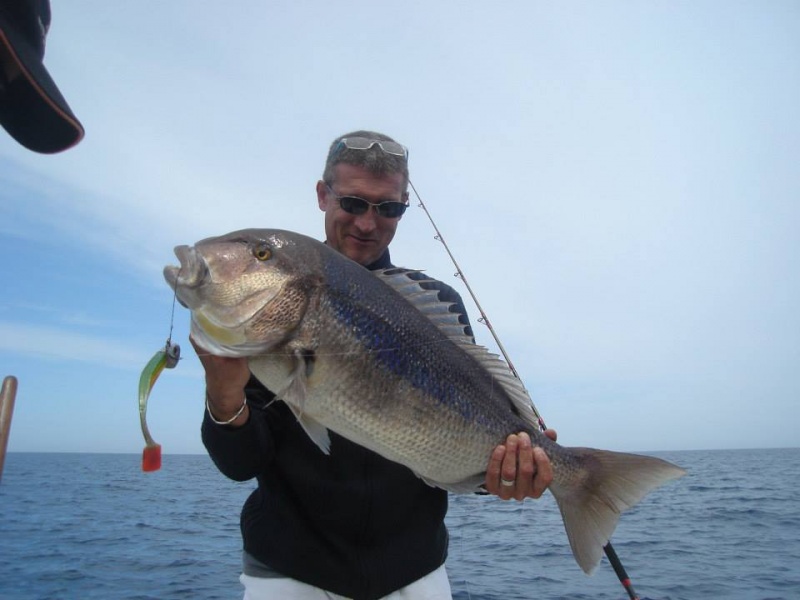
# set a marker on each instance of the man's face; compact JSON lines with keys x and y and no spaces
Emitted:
{"x":362,"y":238}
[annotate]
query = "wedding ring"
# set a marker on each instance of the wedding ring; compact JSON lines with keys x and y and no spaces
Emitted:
{"x":506,"y":482}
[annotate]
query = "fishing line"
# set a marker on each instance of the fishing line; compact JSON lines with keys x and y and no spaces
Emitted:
{"x":484,"y":318}
{"x":172,"y":316}
{"x":166,"y":357}
{"x":616,"y":563}
{"x":172,"y":351}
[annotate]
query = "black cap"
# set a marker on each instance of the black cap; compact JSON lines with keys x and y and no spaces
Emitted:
{"x":32,"y":109}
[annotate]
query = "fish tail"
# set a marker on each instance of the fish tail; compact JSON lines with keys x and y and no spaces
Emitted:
{"x":593,"y":497}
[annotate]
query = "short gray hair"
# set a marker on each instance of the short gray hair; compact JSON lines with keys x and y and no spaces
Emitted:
{"x":374,"y":159}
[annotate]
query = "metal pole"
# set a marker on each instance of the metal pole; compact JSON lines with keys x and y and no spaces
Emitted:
{"x":8,"y":394}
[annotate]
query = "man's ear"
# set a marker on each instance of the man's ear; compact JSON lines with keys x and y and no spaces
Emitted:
{"x":322,"y":195}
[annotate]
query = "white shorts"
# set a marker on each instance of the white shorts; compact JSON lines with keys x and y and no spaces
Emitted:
{"x":434,"y":586}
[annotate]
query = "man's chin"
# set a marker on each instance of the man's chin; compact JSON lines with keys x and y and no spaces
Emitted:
{"x":363,"y":253}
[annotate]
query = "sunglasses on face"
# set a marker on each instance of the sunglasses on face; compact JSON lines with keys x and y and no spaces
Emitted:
{"x":358,"y":206}
{"x":362,"y":143}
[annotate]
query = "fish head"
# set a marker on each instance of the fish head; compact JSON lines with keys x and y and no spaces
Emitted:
{"x":247,"y":290}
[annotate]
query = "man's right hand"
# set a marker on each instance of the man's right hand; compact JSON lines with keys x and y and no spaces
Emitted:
{"x":226,"y":378}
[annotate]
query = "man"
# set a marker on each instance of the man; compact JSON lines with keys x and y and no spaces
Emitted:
{"x":32,"y":109}
{"x":351,"y":524}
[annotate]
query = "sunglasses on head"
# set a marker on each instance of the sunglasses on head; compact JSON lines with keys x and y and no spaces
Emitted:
{"x":358,"y":206}
{"x":362,"y":143}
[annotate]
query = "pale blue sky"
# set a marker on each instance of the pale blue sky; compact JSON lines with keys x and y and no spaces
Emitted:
{"x":617,"y":179}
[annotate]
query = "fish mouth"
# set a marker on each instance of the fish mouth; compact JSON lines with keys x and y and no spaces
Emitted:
{"x":190,"y":274}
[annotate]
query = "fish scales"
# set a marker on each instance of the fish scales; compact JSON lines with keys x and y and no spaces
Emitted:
{"x":411,"y":348}
{"x":377,"y":359}
{"x":358,"y":403}
{"x":391,"y":330}
{"x":401,"y":346}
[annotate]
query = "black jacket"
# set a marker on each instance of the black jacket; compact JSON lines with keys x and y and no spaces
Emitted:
{"x":351,"y":522}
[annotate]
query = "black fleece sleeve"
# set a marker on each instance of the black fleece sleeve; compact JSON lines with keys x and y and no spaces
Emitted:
{"x":241,"y":453}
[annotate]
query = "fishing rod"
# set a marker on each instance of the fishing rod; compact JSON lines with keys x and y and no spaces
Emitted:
{"x":616,"y":563}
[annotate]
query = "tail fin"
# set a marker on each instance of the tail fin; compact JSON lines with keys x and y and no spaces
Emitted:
{"x":592,"y":500}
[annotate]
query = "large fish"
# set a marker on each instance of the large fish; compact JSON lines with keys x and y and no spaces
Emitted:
{"x":381,"y":361}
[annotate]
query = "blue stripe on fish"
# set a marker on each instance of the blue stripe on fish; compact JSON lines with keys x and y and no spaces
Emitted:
{"x":408,"y":357}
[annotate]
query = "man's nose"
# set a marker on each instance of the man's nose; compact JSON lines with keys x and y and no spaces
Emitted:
{"x":368,"y":221}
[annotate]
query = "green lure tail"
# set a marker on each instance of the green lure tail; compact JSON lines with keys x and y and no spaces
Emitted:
{"x":166,"y":358}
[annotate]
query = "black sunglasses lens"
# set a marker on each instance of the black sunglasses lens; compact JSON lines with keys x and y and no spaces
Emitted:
{"x":358,"y":206}
{"x":391,"y":210}
{"x":353,"y":205}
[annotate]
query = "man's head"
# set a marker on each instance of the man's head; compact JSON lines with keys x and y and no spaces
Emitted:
{"x":376,"y":152}
{"x":369,"y":166}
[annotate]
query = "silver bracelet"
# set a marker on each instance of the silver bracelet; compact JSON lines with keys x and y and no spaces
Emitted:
{"x":232,"y":419}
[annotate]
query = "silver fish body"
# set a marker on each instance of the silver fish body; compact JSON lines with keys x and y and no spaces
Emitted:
{"x":381,"y":361}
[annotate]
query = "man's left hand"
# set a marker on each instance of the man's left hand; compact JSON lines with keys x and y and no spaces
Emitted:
{"x":519,"y":470}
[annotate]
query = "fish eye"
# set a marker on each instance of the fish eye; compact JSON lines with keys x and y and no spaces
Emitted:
{"x":262,"y":251}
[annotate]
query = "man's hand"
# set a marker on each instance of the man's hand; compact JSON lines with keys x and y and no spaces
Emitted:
{"x":517,"y":470}
{"x":225,"y":381}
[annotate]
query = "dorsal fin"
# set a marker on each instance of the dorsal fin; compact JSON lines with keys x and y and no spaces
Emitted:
{"x":424,"y":300}
{"x":438,"y":312}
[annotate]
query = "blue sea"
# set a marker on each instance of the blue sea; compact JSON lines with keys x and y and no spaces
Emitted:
{"x":95,"y":526}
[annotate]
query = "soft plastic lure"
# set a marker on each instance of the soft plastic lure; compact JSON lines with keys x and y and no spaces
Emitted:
{"x":167,"y":358}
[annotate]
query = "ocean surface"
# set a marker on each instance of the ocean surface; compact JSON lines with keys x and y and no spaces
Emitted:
{"x":94,"y":526}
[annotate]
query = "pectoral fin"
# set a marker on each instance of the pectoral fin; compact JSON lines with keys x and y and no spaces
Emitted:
{"x":295,"y":396}
{"x":316,"y":431}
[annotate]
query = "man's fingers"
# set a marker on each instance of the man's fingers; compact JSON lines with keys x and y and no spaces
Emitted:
{"x":544,"y":473}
